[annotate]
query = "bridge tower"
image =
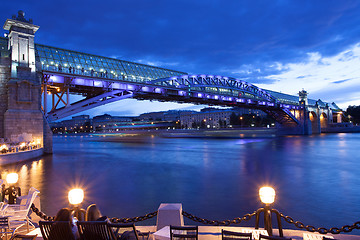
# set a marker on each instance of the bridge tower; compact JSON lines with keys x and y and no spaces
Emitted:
{"x":21,"y":116}
{"x":304,"y":114}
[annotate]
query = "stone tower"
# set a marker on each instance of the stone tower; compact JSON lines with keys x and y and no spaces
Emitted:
{"x":22,"y":118}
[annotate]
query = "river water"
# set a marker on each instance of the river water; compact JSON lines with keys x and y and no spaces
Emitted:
{"x":316,"y":178}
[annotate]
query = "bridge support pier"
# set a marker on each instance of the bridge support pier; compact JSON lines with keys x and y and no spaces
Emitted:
{"x":21,"y":117}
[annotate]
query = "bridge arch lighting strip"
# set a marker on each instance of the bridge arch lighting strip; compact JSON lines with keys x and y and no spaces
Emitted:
{"x":141,"y":88}
{"x":188,"y":82}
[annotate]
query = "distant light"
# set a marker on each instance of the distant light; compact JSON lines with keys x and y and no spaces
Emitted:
{"x":267,"y":195}
{"x":76,"y":196}
{"x":12,"y":178}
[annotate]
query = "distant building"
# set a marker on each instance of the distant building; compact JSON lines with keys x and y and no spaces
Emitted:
{"x":173,"y":119}
{"x":107,"y":122}
{"x":81,"y":123}
{"x":214,"y":117}
{"x":170,"y":116}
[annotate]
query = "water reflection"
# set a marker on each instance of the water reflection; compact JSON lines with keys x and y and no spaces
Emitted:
{"x":316,"y":177}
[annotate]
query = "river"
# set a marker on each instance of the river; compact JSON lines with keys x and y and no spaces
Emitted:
{"x":316,"y":178}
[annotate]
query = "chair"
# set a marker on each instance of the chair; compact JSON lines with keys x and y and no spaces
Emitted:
{"x":95,"y":230}
{"x":186,"y":232}
{"x":272,"y":237}
{"x":229,"y":235}
{"x":122,"y":230}
{"x":5,"y":227}
{"x":23,"y":237}
{"x":56,"y":230}
{"x":18,"y":213}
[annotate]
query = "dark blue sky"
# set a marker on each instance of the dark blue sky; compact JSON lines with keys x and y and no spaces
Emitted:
{"x":280,"y":44}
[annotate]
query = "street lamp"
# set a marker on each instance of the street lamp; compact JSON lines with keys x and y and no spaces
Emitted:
{"x":76,"y":196}
{"x":267,"y":196}
{"x":12,"y":191}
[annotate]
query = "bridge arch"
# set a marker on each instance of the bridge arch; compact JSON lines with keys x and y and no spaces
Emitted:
{"x":314,"y":119}
{"x":324,"y":120}
{"x":216,"y":85}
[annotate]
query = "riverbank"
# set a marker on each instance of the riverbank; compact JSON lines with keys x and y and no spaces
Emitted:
{"x":196,"y":133}
{"x":350,"y":129}
{"x":18,"y":157}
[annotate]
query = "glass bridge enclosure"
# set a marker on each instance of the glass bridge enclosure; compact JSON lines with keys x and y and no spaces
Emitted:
{"x":67,"y":61}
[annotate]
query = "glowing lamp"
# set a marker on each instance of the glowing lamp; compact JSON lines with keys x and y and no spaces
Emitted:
{"x":267,"y":195}
{"x":12,"y":178}
{"x":76,"y":196}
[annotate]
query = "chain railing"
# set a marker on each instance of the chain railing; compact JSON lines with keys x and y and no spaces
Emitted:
{"x":134,"y":219}
{"x":237,"y":220}
{"x":41,"y":214}
{"x":114,"y":219}
{"x":321,"y":230}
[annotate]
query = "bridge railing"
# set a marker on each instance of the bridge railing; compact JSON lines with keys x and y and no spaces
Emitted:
{"x":92,"y":73}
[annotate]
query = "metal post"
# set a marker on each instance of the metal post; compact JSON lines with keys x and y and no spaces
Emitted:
{"x":53,"y":100}
{"x":45,"y":99}
{"x":267,"y":220}
{"x":67,"y":97}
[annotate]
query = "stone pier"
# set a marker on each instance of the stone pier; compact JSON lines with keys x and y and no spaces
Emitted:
{"x":21,"y":117}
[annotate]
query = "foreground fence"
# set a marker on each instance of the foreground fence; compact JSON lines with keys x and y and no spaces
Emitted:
{"x":238,"y":220}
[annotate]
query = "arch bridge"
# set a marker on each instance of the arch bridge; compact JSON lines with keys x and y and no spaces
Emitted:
{"x":102,"y":80}
{"x":28,"y":69}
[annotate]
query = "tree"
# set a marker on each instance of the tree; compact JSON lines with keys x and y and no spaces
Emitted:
{"x":354,"y":112}
{"x":234,"y":119}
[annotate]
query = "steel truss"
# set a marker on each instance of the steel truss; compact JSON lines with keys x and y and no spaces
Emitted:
{"x":190,"y":89}
{"x":88,"y":103}
{"x":219,"y":82}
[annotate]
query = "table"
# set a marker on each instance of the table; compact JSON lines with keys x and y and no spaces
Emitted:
{"x":211,"y":233}
{"x":37,"y":232}
{"x":314,"y":236}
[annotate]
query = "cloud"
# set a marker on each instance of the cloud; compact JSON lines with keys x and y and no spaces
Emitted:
{"x":332,"y":78}
{"x":341,"y":81}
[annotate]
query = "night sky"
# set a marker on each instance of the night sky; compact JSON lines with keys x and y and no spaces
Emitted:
{"x":282,"y":45}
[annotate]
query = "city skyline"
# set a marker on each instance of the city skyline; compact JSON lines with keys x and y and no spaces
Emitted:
{"x":285,"y":46}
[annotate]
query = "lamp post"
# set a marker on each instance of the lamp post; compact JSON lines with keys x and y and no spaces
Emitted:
{"x":76,"y":196}
{"x":12,"y":191}
{"x":267,"y":196}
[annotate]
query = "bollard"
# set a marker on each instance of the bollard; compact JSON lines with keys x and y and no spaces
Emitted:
{"x":169,"y":214}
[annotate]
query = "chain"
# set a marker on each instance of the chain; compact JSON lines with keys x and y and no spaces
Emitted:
{"x":246,"y":217}
{"x":322,"y":230}
{"x":237,"y":220}
{"x":114,"y":220}
{"x":134,"y":219}
{"x":41,"y":214}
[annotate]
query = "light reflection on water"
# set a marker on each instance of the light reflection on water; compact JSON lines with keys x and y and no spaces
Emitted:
{"x":316,"y":177}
